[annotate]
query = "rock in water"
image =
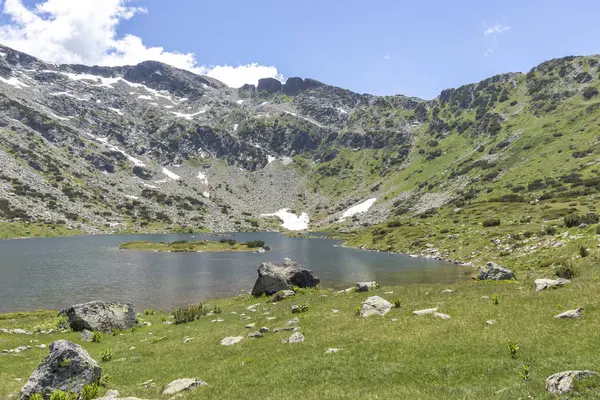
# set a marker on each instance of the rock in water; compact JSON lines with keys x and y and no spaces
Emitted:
{"x":375,"y":305}
{"x":273,"y":277}
{"x":571,"y":313}
{"x":282,"y":294}
{"x":541,"y":284}
{"x":365,"y":286}
{"x":68,"y":367}
{"x":101,"y":316}
{"x":180,"y":385}
{"x":494,"y":272}
{"x":562,"y":382}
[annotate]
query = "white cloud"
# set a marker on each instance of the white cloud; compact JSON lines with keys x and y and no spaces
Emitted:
{"x":84,"y":32}
{"x":496,"y":29}
{"x":387,"y":57}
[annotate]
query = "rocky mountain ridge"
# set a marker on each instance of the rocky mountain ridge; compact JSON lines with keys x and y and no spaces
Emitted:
{"x":137,"y":147}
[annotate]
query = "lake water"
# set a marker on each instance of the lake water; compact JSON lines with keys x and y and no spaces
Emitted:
{"x":53,"y":273}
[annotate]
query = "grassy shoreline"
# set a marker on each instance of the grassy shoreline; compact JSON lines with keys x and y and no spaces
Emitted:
{"x":399,"y":355}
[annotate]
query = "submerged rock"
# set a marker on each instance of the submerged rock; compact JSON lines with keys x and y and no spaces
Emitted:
{"x":101,"y":316}
{"x":375,"y":305}
{"x":562,"y":382}
{"x":274,"y":277}
{"x":68,"y":367}
{"x":494,"y":272}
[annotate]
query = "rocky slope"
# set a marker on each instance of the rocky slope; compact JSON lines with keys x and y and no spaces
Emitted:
{"x":137,"y":147}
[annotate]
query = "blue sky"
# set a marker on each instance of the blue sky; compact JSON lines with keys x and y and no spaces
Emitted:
{"x":382,"y":47}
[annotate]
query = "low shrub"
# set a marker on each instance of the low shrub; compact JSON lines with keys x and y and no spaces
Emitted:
{"x":394,"y":224}
{"x":188,"y":314}
{"x":255,"y":243}
{"x":96,"y":337}
{"x":566,"y":269}
{"x":107,"y":355}
{"x":491,"y":222}
{"x":89,"y":392}
{"x":150,"y":311}
{"x":230,"y":242}
{"x":60,"y":395}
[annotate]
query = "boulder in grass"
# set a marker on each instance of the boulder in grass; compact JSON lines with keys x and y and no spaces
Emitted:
{"x":274,"y":277}
{"x":180,"y":385}
{"x":375,"y":305}
{"x":101,"y":316}
{"x":68,"y":367}
{"x":562,"y":382}
{"x":542,"y":284}
{"x":494,"y":272}
{"x":365,"y":286}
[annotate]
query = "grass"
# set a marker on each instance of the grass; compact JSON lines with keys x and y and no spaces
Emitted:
{"x":396,"y":356}
{"x":185,"y":246}
{"x":9,"y":230}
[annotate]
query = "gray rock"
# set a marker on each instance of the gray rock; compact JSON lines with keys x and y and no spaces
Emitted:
{"x":494,"y":272}
{"x":296,"y":337}
{"x":571,"y":313}
{"x":282,"y":294}
{"x":425,"y":311}
{"x":293,"y":321}
{"x":86,"y":335}
{"x":255,"y":335}
{"x":562,"y":382}
{"x":250,"y":326}
{"x":332,"y":350}
{"x":68,"y":367}
{"x":375,"y":305}
{"x":270,"y":85}
{"x":365,"y":286}
{"x":264,"y":329}
{"x":490,"y":322}
{"x":441,"y":315}
{"x":231,"y":340}
{"x":274,"y":277}
{"x":114,"y":395}
{"x":180,"y":385}
{"x":101,"y":316}
{"x":542,"y":284}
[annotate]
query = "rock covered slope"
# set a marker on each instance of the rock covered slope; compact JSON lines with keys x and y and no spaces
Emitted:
{"x":137,"y":147}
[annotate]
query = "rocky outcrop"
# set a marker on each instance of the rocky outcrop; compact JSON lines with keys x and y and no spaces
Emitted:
{"x":542,"y":284}
{"x":562,"y":382}
{"x":375,"y":305}
{"x":494,"y":272}
{"x":101,"y":316}
{"x":142,"y":173}
{"x":179,"y":385}
{"x":273,"y":277}
{"x":270,"y":85}
{"x":570,"y":314}
{"x":68,"y":367}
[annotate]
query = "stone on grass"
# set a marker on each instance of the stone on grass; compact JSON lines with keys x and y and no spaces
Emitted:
{"x":425,"y":311}
{"x":375,"y":305}
{"x":250,"y":326}
{"x":86,"y":335}
{"x":365,"y":286}
{"x":441,"y":315}
{"x":231,"y":340}
{"x":490,"y":322}
{"x":273,"y":277}
{"x":293,"y":321}
{"x":494,"y":272}
{"x":296,"y":337}
{"x":541,"y":284}
{"x":264,"y":329}
{"x":68,"y":367}
{"x":180,"y":385}
{"x":562,"y":382}
{"x":332,"y":350}
{"x":447,"y":291}
{"x":282,"y":294}
{"x":255,"y":335}
{"x":571,"y":313}
{"x":101,"y":316}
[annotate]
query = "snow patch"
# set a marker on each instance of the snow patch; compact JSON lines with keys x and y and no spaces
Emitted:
{"x":240,"y":101}
{"x":144,"y":97}
{"x":59,"y":117}
{"x":104,"y":141}
{"x":270,"y":159}
{"x":151,"y":186}
{"x":235,"y":127}
{"x":203,"y":178}
{"x":14,"y":82}
{"x":341,"y":110}
{"x":68,"y":95}
{"x":132,"y":197}
{"x":170,"y":174}
{"x":291,"y":221}
{"x":115,"y":110}
{"x":206,"y":194}
{"x":162,"y":180}
{"x":358,"y":209}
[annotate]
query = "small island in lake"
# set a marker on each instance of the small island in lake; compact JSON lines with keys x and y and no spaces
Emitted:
{"x":183,"y":246}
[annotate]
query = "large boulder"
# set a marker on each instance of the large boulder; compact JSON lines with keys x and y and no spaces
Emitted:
{"x":541,"y":284}
{"x":562,"y":382}
{"x":494,"y":272}
{"x":270,"y":85}
{"x":375,"y":305}
{"x":273,"y":277}
{"x":68,"y":367}
{"x":179,"y":385}
{"x":101,"y":316}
